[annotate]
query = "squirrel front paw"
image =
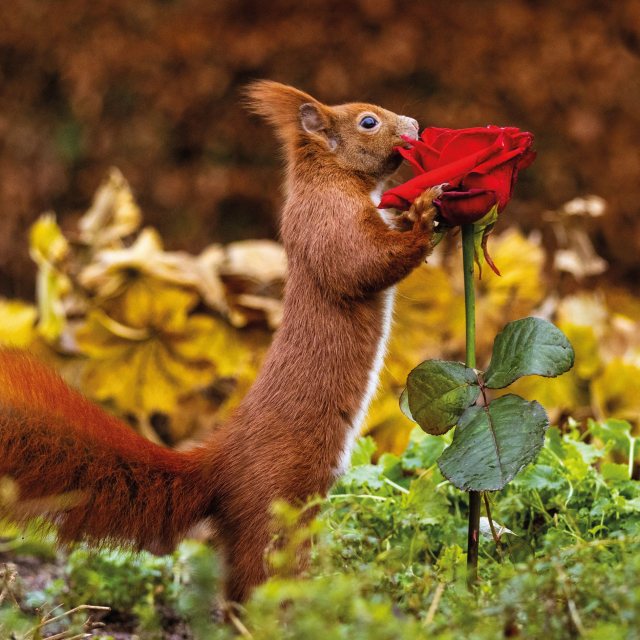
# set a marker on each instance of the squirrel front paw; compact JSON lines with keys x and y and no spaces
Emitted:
{"x":422,"y":213}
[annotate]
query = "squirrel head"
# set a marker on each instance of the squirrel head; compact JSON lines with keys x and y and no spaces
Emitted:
{"x":360,"y":138}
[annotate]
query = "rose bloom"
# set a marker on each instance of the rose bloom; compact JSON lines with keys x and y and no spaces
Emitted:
{"x":479,"y":165}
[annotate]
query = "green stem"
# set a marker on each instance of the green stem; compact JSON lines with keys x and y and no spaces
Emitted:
{"x":469,"y":294}
{"x":470,"y":360}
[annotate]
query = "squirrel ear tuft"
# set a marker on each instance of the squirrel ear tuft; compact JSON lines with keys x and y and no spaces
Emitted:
{"x":285,"y":107}
{"x":312,"y":119}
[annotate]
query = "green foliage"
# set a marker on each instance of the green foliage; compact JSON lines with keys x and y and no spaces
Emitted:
{"x":119,"y":579}
{"x":196,"y":575}
{"x":491,"y":444}
{"x":530,"y":346}
{"x":494,"y":441}
{"x":388,"y":560}
{"x":439,"y":392}
{"x":343,"y":607}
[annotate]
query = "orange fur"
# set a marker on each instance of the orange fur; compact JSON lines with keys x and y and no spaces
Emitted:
{"x":55,"y":442}
{"x":291,"y":434}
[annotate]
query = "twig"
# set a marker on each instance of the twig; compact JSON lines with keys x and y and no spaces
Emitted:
{"x":571,"y":605}
{"x":343,"y":496}
{"x":237,"y":623}
{"x":391,"y":483}
{"x":82,"y":607}
{"x":64,"y":636}
{"x":433,"y":607}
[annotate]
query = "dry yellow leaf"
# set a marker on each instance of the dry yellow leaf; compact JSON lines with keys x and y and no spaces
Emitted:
{"x":152,"y":354}
{"x":17,"y":323}
{"x":49,"y":248}
{"x":585,"y":309}
{"x":616,"y":392}
{"x":112,"y":271}
{"x":113,"y":214}
{"x":587,"y":349}
{"x":262,"y":261}
{"x":565,"y":394}
{"x":46,"y":241}
{"x":428,"y":320}
{"x":254,"y":272}
{"x":520,"y":287}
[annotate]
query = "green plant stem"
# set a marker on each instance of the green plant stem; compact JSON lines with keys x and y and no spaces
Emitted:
{"x":470,"y":360}
{"x":469,"y":294}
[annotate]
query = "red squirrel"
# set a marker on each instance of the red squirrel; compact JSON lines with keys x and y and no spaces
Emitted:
{"x":292,"y":434}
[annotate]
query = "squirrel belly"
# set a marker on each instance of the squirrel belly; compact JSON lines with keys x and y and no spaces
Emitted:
{"x":100,"y":482}
{"x":373,"y":379}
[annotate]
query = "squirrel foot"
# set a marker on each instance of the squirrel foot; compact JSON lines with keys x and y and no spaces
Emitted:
{"x":421,"y":215}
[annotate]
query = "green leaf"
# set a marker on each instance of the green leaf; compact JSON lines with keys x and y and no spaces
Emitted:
{"x":481,"y":230}
{"x":362,"y":451}
{"x":422,"y":451}
{"x":491,"y":444}
{"x":541,"y":477}
{"x":614,"y":472}
{"x":404,"y":404}
{"x":438,"y":393}
{"x":530,"y":346}
{"x":614,"y":433}
{"x":451,"y":563}
{"x":364,"y":475}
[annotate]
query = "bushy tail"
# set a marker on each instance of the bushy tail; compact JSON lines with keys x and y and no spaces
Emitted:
{"x":86,"y":471}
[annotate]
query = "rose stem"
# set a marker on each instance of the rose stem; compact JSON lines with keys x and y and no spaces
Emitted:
{"x":470,"y":325}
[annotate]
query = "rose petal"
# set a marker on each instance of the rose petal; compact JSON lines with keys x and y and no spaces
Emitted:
{"x":391,"y":200}
{"x":451,"y":173}
{"x":463,"y":145}
{"x":464,"y":207}
{"x":412,"y":156}
{"x":501,"y":180}
{"x":436,"y":137}
{"x":498,"y":160}
{"x":402,"y":196}
{"x":421,"y":156}
{"x":527,"y":158}
{"x":499,"y":174}
{"x":480,"y":164}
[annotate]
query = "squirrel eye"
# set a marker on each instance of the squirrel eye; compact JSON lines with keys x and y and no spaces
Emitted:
{"x":368,"y":122}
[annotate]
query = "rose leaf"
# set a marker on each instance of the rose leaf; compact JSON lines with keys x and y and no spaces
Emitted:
{"x":492,"y":444}
{"x":438,"y":393}
{"x":530,"y":346}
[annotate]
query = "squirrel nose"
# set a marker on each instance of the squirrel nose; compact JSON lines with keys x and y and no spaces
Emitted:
{"x":409,"y":127}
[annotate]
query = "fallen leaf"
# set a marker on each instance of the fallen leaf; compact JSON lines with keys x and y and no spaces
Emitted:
{"x":17,"y":323}
{"x":113,"y":214}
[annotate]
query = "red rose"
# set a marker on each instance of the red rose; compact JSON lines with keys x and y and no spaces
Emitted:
{"x":480,"y":166}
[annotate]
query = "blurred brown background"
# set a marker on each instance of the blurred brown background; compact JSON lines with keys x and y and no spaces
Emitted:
{"x":153,"y":88}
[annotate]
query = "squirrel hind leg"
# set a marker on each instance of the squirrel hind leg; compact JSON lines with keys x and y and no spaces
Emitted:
{"x":245,"y":565}
{"x":247,"y":552}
